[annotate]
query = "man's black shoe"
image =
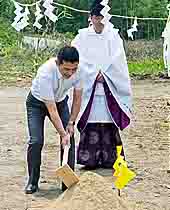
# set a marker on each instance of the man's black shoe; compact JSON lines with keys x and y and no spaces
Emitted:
{"x":30,"y":189}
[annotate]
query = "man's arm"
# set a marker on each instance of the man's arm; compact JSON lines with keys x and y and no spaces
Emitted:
{"x":55,"y":118}
{"x":75,"y":109}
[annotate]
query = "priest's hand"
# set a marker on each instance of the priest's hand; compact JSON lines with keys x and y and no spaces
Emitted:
{"x":100,"y":77}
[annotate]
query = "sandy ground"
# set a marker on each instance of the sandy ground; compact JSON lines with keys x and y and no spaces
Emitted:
{"x":147,"y":147}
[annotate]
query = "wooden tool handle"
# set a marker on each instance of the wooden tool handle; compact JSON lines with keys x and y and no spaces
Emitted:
{"x":65,"y":155}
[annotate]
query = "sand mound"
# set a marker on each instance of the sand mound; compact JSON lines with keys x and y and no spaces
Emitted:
{"x":91,"y":193}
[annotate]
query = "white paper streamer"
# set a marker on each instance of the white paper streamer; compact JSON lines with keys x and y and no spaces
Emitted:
{"x":21,"y":19}
{"x":105,"y":12}
{"x":166,"y":44}
{"x":49,"y":10}
{"x":133,"y":29}
{"x":38,"y":17}
{"x":89,"y":21}
{"x":165,"y":50}
{"x":168,"y":7}
{"x":18,"y":16}
{"x":167,"y":34}
{"x":24,"y":21}
{"x":106,"y":19}
{"x":104,"y":2}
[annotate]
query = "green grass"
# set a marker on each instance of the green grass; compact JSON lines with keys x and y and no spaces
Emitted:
{"x":19,"y":64}
{"x":146,"y":67}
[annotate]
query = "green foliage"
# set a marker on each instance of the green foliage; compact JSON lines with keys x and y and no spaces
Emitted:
{"x":140,"y":8}
{"x":8,"y":36}
{"x":78,"y":20}
{"x":6,"y":9}
{"x":19,"y":63}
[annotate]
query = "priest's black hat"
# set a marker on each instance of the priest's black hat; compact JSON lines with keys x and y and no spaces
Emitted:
{"x":96,"y":8}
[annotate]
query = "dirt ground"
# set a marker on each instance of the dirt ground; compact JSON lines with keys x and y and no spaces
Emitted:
{"x":147,"y":147}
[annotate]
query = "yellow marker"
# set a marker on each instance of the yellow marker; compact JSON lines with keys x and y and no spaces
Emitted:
{"x":117,"y":165}
{"x":122,"y":173}
{"x":124,"y":177}
{"x":119,"y":160}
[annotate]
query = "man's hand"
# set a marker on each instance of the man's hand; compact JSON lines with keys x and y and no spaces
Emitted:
{"x":65,"y":140}
{"x":70,"y":129}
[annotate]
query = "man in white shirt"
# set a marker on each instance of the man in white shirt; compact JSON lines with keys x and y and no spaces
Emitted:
{"x":48,"y":97}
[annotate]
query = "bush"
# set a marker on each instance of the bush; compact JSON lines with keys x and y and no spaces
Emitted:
{"x":8,"y":35}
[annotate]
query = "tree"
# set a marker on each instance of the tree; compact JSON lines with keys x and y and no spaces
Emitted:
{"x":139,"y":8}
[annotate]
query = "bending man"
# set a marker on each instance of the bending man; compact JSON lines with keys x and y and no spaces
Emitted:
{"x":48,"y":97}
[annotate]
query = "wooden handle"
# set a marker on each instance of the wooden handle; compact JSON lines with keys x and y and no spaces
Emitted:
{"x":65,"y":155}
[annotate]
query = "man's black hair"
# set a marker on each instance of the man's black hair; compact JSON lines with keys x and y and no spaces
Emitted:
{"x":96,"y":8}
{"x":68,"y":54}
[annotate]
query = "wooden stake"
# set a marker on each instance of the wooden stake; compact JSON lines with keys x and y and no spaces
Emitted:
{"x":119,"y":193}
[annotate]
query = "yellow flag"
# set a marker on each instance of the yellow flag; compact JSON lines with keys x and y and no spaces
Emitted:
{"x":122,"y":173}
{"x":124,"y":177}
{"x":117,"y":165}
